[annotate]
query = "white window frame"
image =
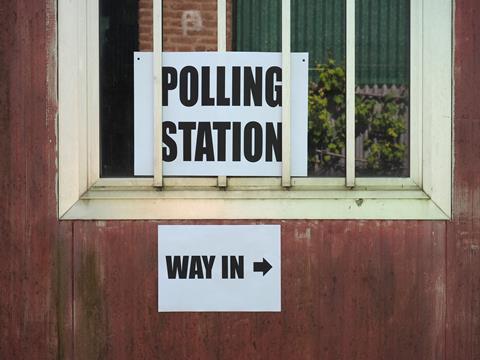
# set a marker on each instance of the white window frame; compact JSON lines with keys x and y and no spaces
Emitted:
{"x":426,"y":194}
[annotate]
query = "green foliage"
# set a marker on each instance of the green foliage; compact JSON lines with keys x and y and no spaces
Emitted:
{"x":380,"y":120}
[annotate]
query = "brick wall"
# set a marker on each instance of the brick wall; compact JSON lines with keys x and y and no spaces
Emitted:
{"x":188,"y":25}
{"x":145,"y":25}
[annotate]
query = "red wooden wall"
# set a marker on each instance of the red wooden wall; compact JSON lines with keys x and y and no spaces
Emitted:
{"x":350,"y":289}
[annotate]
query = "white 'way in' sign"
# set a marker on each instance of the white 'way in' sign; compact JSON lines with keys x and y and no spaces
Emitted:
{"x":219,"y":268}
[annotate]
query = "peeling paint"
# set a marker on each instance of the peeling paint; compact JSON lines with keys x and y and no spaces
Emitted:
{"x":90,"y":312}
{"x":191,"y":21}
{"x":101,"y":224}
{"x":303,"y":235}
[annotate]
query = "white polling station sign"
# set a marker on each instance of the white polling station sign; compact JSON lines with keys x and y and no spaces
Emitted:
{"x":222,"y":114}
{"x":219,"y":268}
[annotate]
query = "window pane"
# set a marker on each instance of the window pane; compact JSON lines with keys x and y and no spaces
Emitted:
{"x":119,"y":38}
{"x":318,"y":27}
{"x":257,"y":25}
{"x":127,"y":26}
{"x":382,"y":87}
{"x":189,"y":25}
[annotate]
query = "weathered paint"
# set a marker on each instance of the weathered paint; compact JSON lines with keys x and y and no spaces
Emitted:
{"x":350,"y":289}
{"x":463,"y":240}
{"x":35,"y":249}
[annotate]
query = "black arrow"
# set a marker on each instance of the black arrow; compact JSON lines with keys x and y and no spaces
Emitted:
{"x":263,"y":266}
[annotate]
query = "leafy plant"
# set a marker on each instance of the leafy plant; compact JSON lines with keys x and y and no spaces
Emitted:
{"x":379,"y":121}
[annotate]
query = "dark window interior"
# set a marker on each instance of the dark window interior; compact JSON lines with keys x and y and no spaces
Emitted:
{"x":118,"y":41}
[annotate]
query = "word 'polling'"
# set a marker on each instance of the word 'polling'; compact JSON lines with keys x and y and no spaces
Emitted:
{"x":194,"y":86}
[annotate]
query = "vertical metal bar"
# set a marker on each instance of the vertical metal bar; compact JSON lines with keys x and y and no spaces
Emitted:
{"x":286,"y":91}
{"x":350,"y":89}
{"x":157,"y":92}
{"x":416,"y":91}
{"x":221,"y":47}
{"x":221,"y":25}
{"x":93,"y":96}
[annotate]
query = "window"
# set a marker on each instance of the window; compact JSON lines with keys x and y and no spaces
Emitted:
{"x":379,"y":111}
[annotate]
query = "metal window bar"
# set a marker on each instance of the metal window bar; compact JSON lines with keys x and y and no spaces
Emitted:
{"x":416,"y":91}
{"x":221,"y":25}
{"x":286,"y":91}
{"x":222,"y":47}
{"x":157,"y":92}
{"x":350,"y":95}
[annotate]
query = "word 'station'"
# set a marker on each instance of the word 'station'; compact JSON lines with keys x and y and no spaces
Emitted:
{"x":197,"y":271}
{"x":222,"y":114}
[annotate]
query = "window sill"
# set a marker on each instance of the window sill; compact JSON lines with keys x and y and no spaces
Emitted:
{"x":393,"y":199}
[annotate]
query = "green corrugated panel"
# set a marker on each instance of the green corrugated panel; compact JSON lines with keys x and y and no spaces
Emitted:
{"x":318,"y":27}
{"x":258,"y":25}
{"x":313,"y":17}
{"x":382,"y":42}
